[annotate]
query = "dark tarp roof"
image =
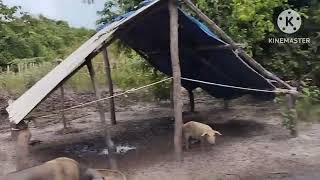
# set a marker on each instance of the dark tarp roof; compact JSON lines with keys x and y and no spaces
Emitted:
{"x":150,"y":36}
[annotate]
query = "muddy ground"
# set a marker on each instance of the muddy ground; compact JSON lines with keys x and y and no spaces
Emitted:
{"x":254,"y":145}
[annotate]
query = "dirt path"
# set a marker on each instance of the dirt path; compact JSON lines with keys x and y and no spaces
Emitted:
{"x":253,"y":145}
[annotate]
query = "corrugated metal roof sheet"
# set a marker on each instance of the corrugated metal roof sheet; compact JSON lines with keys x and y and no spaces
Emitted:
{"x":20,"y":108}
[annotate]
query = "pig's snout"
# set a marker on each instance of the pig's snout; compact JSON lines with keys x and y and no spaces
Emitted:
{"x":211,"y":139}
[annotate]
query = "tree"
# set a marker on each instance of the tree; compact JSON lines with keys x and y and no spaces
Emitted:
{"x":88,"y":1}
{"x":253,"y":23}
{"x":113,"y":9}
{"x":26,"y":36}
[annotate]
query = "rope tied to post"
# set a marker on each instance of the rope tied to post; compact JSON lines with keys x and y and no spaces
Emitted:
{"x":278,"y":91}
{"x":53,"y":113}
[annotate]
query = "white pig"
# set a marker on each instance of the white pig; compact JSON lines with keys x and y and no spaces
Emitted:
{"x":198,"y":131}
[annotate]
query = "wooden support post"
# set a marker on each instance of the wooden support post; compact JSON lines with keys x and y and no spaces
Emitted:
{"x":19,"y":68}
{"x":225,"y":104}
{"x":191,"y":100}
{"x":215,"y":28}
{"x":63,"y":118}
{"x":171,"y":94}
{"x":293,"y":119}
{"x":8,"y":69}
{"x":176,"y":73}
{"x":108,"y":141}
{"x":22,"y":135}
{"x":110,"y":86}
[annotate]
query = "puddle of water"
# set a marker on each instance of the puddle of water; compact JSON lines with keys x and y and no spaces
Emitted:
{"x":80,"y":150}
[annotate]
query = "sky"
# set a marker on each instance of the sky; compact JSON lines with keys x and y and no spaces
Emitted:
{"x":75,"y":12}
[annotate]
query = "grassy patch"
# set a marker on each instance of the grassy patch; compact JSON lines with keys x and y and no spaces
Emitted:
{"x":129,"y":70}
{"x":17,"y":83}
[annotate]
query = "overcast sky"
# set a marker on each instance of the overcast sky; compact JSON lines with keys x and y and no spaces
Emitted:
{"x":74,"y":12}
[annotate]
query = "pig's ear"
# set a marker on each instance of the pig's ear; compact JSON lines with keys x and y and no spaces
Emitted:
{"x":203,"y":134}
{"x":217,"y":132}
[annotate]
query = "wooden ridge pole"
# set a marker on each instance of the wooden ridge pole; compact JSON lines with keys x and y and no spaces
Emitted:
{"x":176,"y":73}
{"x":110,"y":85}
{"x":108,"y":141}
{"x":215,"y":28}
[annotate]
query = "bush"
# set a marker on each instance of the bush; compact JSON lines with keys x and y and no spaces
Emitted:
{"x":17,"y":83}
{"x":134,"y":72}
{"x":308,"y":106}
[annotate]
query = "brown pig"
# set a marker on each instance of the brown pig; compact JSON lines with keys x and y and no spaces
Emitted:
{"x":57,"y":169}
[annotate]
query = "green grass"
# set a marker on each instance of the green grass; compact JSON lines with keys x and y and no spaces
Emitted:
{"x":80,"y":82}
{"x":17,"y":83}
{"x":129,"y":71}
{"x":133,"y":71}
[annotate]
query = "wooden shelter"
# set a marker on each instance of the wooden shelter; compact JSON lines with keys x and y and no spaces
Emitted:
{"x":122,"y":28}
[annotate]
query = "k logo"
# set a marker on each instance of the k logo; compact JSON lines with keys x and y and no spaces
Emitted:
{"x":289,"y":21}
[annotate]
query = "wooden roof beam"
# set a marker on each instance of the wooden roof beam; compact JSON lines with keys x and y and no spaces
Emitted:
{"x":200,"y":48}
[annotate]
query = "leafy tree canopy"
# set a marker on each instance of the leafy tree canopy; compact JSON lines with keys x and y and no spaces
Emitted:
{"x":25,"y":36}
